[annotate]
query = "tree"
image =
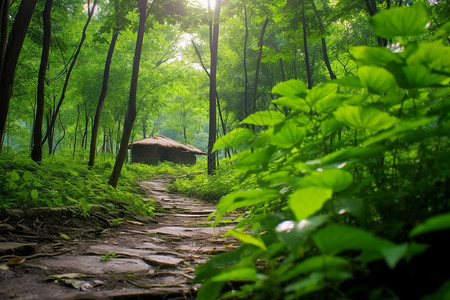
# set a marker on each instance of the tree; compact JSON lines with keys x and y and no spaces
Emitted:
{"x":36,"y":153}
{"x":69,"y":72}
{"x":11,"y":56}
{"x":131,"y":112}
{"x":213,"y":89}
{"x":101,"y":100}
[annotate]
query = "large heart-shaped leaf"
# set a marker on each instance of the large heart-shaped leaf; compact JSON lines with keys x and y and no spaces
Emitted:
{"x":400,"y":21}
{"x":368,"y":118}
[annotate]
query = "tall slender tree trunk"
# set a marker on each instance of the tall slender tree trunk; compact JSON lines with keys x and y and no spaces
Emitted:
{"x":305,"y":48}
{"x":372,"y":9}
{"x":258,"y":63}
{"x":69,"y":71}
{"x":101,"y":100}
{"x":213,"y":90}
{"x":86,"y":126}
{"x":11,"y":56}
{"x":36,"y":153}
{"x":246,"y":104}
{"x":324,"y":43}
{"x":76,"y":131}
{"x":131,"y":112}
{"x":4,"y":20}
{"x":50,"y":133}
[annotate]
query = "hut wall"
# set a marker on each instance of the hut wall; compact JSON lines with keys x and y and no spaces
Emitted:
{"x":177,"y":156}
{"x":145,"y":155}
{"x":151,"y":154}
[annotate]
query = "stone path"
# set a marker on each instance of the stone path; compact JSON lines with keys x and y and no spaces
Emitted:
{"x":133,"y":261}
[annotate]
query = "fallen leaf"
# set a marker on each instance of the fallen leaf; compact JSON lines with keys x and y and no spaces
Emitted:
{"x":78,"y":284}
{"x":67,"y":276}
{"x":4,"y":267}
{"x":135,"y":222}
{"x":15,"y":261}
{"x":64,"y":236}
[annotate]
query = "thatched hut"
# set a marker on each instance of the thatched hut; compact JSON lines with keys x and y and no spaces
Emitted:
{"x":160,"y":148}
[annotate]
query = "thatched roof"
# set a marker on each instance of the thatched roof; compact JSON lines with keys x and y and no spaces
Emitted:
{"x":165,"y":142}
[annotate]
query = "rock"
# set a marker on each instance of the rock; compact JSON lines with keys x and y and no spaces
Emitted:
{"x":88,"y":264}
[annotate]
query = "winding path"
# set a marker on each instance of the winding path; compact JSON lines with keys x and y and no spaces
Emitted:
{"x":133,"y":261}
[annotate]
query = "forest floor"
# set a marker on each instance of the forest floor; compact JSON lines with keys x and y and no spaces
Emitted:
{"x":55,"y":254}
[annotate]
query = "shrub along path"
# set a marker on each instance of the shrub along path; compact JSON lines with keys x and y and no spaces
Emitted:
{"x":55,"y":254}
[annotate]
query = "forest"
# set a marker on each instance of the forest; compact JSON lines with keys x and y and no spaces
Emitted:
{"x":325,"y":124}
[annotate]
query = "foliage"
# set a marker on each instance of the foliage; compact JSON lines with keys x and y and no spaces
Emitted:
{"x":210,"y":188}
{"x":353,"y":184}
{"x":60,"y":181}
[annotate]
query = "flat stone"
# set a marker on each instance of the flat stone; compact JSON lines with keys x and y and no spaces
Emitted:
{"x":146,"y":255}
{"x":190,"y":231}
{"x":89,"y":264}
{"x":17,"y":247}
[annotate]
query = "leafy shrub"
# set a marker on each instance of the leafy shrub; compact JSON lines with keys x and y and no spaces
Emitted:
{"x":354,"y":184}
{"x":210,"y":188}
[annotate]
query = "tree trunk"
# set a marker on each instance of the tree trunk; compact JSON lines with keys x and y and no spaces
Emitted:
{"x":9,"y":63}
{"x":4,"y":18}
{"x":86,"y":126}
{"x":76,"y":131}
{"x":324,"y":43}
{"x":36,"y":153}
{"x":224,"y":130}
{"x":246,"y":104}
{"x":305,"y":47}
{"x":131,"y":112}
{"x":213,"y":90}
{"x":258,"y":63}
{"x":101,"y":100}
{"x":50,"y":134}
{"x":69,"y":72}
{"x":372,"y":9}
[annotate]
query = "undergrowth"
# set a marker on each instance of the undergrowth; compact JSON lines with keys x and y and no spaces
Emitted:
{"x":60,"y":180}
{"x":211,"y":188}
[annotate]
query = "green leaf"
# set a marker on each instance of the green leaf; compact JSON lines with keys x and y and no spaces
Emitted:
{"x":313,"y":282}
{"x":435,"y":223}
{"x":34,"y":194}
{"x":291,"y":88}
{"x":295,"y":234}
{"x":419,"y":76}
{"x":210,"y":290}
{"x":27,"y":176}
{"x":264,"y":118}
{"x":294,"y":103}
{"x":377,"y":80}
{"x":14,"y":176}
{"x":330,"y":125}
{"x":306,"y":201}
{"x":334,"y":179}
{"x":288,"y":136}
{"x":322,"y":92}
{"x":336,"y":238}
{"x":247,"y":238}
{"x":400,"y":21}
{"x":234,"y":138}
{"x":241,"y":199}
{"x":236,"y":274}
{"x":443,"y":293}
{"x":394,"y":253}
{"x":349,"y":81}
{"x":380,"y":56}
{"x":314,"y":264}
{"x":443,"y":32}
{"x":368,"y":118}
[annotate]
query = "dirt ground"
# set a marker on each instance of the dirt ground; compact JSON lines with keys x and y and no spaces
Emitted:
{"x":58,"y":254}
